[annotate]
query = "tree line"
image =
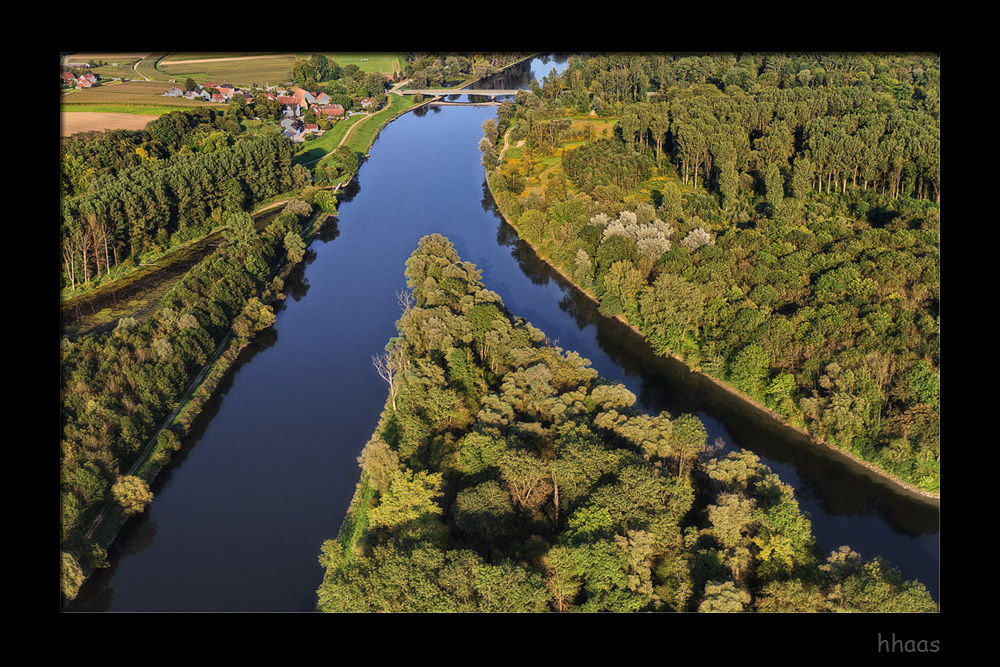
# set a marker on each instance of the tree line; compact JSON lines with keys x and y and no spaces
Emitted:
{"x":724,"y":217}
{"x":437,"y":70}
{"x":117,"y":388}
{"x":507,"y":476}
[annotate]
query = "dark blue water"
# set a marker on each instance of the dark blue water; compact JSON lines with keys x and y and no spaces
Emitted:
{"x":267,"y":475}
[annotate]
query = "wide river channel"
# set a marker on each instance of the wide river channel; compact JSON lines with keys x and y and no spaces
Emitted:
{"x":268,"y":473}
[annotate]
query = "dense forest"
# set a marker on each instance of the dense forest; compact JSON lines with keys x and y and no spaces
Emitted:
{"x":506,"y":476}
{"x":771,"y":219}
{"x":129,"y":193}
{"x":116,"y":388}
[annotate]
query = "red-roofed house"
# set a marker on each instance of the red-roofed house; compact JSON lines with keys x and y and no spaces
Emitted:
{"x":290,"y":105}
{"x":331,"y":111}
{"x":86,"y":80}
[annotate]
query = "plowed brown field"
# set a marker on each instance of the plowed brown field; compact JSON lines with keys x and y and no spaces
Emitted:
{"x":82,"y":121}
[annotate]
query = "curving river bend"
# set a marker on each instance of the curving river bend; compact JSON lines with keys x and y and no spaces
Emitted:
{"x":269,"y":470}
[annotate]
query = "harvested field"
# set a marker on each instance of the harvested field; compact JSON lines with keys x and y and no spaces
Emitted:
{"x":131,"y":93}
{"x":108,"y":56}
{"x":168,"y":61}
{"x":83,"y":121}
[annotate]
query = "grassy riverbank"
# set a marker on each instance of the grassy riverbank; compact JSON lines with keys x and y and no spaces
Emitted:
{"x":358,"y":132}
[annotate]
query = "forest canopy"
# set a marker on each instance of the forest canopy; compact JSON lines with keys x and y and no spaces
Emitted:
{"x":507,"y":476}
{"x":773,"y":220}
{"x":127,"y":193}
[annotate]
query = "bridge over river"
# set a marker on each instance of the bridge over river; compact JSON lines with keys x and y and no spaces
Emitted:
{"x":492,"y":93}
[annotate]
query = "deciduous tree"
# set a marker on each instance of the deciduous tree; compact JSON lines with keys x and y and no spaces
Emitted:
{"x":409,"y":498}
{"x":132,"y":493}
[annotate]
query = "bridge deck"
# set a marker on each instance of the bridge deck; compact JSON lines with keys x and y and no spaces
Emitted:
{"x":453,"y":91}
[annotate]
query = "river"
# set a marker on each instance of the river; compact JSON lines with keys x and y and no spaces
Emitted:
{"x":269,"y":469}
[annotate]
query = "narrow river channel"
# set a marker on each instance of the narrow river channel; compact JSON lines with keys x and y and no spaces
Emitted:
{"x":267,"y":474}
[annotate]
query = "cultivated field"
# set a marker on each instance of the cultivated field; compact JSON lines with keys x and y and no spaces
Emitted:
{"x":71,"y":123}
{"x":244,"y":69}
{"x":241,"y":69}
{"x":107,"y":56}
{"x":117,"y":106}
{"x":131,"y":94}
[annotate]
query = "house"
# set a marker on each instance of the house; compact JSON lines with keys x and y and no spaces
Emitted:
{"x":333,"y":111}
{"x":67,"y":77}
{"x":86,"y":80}
{"x":308,"y":100}
{"x":293,"y":124}
{"x":289,"y":105}
{"x":174,"y":91}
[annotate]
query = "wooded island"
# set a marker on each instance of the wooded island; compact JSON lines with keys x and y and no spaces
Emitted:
{"x":506,"y":476}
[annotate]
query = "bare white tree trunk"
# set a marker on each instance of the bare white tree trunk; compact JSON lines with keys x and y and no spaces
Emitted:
{"x":384,"y":366}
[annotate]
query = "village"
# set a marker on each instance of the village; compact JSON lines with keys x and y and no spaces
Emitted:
{"x":69,"y":80}
{"x":295,"y":104}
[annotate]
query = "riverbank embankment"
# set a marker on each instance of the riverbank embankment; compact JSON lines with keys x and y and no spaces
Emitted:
{"x":160,"y":447}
